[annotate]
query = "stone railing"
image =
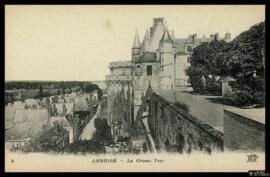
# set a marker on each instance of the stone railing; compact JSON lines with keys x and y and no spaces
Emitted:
{"x":118,"y":78}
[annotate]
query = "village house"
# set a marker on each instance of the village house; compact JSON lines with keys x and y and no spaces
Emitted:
{"x":62,"y":109}
{"x":55,"y":138}
{"x":27,"y":126}
{"x":63,"y":122}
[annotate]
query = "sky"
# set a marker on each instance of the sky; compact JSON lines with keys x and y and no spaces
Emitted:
{"x":78,"y":42}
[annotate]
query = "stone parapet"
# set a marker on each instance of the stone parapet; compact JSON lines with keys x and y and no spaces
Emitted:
{"x":118,"y":77}
{"x":174,"y":129}
{"x":119,"y":64}
{"x":243,"y":132}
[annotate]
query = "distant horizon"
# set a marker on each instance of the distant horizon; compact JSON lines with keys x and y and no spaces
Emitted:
{"x":77,"y":43}
{"x":53,"y":80}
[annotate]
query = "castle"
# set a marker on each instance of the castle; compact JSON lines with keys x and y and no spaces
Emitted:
{"x":160,"y":59}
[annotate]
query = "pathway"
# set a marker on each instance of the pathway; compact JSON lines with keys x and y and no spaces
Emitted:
{"x":89,"y":129}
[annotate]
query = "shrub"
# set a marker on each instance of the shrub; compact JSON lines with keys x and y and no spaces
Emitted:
{"x":214,"y":88}
{"x":195,"y":77}
{"x":241,"y":98}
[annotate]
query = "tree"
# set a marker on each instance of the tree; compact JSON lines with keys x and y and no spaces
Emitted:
{"x":241,"y":59}
{"x":51,"y":139}
{"x":245,"y":63}
{"x":58,"y":92}
{"x":207,"y":60}
{"x":90,"y":88}
{"x":103,"y":131}
{"x":40,"y":93}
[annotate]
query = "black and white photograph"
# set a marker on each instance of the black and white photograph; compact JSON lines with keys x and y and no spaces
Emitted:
{"x":124,"y":88}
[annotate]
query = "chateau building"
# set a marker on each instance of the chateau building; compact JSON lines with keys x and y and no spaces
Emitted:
{"x":159,"y":59}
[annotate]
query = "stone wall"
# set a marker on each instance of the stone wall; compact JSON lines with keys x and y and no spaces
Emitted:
{"x":174,"y":130}
{"x":119,"y":106}
{"x":180,"y":74}
{"x":141,"y":82}
{"x":242,"y":133}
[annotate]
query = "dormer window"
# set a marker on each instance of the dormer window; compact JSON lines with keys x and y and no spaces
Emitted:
{"x":189,"y":48}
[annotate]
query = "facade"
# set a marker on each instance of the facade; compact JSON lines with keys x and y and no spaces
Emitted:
{"x":27,"y":126}
{"x":160,"y":60}
{"x":119,"y":101}
{"x":63,"y":109}
{"x":63,"y":122}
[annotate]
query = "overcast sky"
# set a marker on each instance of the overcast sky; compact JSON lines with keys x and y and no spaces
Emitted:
{"x":78,"y":42}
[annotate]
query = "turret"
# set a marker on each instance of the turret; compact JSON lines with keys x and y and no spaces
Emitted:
{"x":146,"y":42}
{"x":136,"y":47}
{"x":147,"y":35}
{"x":166,"y":42}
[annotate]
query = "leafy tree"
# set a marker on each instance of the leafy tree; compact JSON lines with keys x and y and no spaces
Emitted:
{"x":51,"y":139}
{"x":103,"y":131}
{"x":242,"y":59}
{"x":245,"y":63}
{"x":208,"y":59}
{"x":90,"y":88}
{"x":58,"y":92}
{"x":40,"y":93}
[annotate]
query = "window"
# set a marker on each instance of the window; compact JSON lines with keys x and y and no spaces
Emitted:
{"x":188,"y":59}
{"x":149,"y":70}
{"x":189,"y":49}
{"x":138,"y":66}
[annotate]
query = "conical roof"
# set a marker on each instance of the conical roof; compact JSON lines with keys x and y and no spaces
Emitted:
{"x":166,"y":37}
{"x":147,"y":35}
{"x":136,"y":43}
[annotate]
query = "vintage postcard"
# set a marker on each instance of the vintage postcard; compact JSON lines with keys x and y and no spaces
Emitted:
{"x":135,"y":88}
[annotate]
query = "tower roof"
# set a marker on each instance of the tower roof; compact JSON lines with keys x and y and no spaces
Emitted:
{"x":147,"y":35}
{"x":136,"y":43}
{"x":166,"y":37}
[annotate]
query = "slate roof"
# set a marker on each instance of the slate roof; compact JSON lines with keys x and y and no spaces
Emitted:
{"x":31,"y":102}
{"x":166,"y":37}
{"x":180,"y":44}
{"x":81,"y":104}
{"x":136,"y":43}
{"x":159,"y":31}
{"x":24,"y":130}
{"x":9,"y":112}
{"x":147,"y":35}
{"x":62,"y":121}
{"x":69,"y":107}
{"x":148,"y":57}
{"x":31,"y":115}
